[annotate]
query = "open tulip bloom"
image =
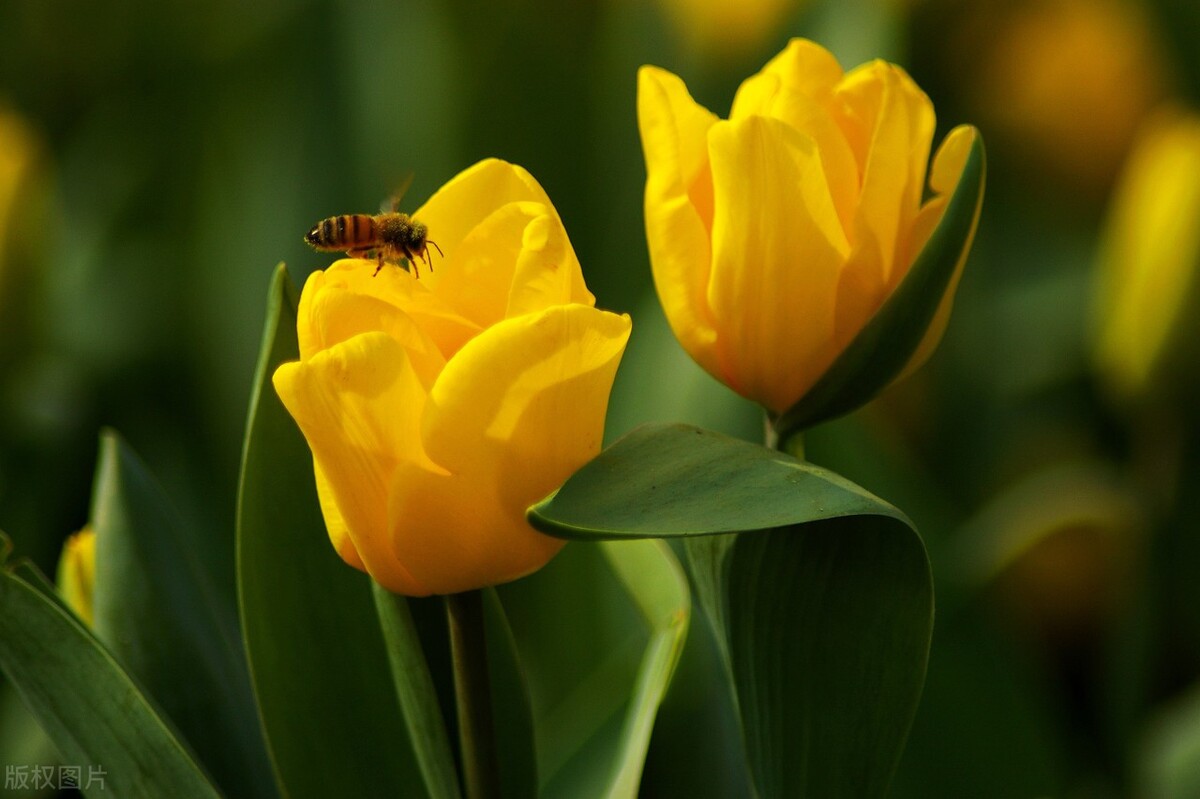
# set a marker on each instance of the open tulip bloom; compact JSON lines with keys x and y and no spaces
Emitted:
{"x":778,"y":234}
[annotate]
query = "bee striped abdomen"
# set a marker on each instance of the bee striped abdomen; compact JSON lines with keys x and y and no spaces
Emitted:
{"x":345,"y":232}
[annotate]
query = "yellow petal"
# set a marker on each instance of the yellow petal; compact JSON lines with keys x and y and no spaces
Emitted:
{"x":883,"y":111}
{"x":339,"y":531}
{"x":77,"y":573}
{"x":778,"y":246}
{"x":517,"y":411}
{"x":308,"y":335}
{"x":796,"y":87}
{"x":335,"y":308}
{"x":897,"y":121}
{"x":516,"y":260}
{"x":442,"y":324}
{"x":358,"y":405}
{"x":548,"y":273}
{"x":470,"y":197}
{"x":947,"y":170}
{"x":478,"y":271}
{"x":678,"y":206}
{"x":806,"y":67}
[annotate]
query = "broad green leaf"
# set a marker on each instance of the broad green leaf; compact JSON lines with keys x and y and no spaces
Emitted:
{"x":884,"y":347}
{"x":157,"y":612}
{"x":317,"y":657}
{"x":91,"y":709}
{"x":823,"y":605}
{"x":599,"y":631}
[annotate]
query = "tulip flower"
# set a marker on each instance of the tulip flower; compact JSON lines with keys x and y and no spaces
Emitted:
{"x":77,"y":573}
{"x":777,"y":235}
{"x":438,"y":409}
{"x":1151,"y":257}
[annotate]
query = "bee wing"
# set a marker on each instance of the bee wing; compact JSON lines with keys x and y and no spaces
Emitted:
{"x":392,"y":205}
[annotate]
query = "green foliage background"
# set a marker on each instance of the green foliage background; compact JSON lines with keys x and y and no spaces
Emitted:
{"x":187,"y":147}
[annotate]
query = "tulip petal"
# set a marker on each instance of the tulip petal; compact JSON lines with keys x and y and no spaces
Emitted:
{"x":889,"y":123}
{"x":678,"y":206}
{"x":513,"y":415}
{"x":516,"y":260}
{"x":803,"y":67}
{"x":947,"y":169}
{"x":776,"y":235}
{"x":470,"y":197}
{"x":332,"y":312}
{"x":339,"y":531}
{"x":802,"y":101}
{"x":548,"y":273}
{"x":358,"y":405}
{"x":441,"y":325}
{"x":479,"y":270}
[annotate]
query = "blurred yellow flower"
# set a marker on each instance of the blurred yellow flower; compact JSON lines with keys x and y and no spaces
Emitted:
{"x":720,"y":27}
{"x":1065,"y":83}
{"x":439,"y":409}
{"x":19,"y":152}
{"x":777,"y":234}
{"x":1147,"y":281}
{"x":77,"y":573}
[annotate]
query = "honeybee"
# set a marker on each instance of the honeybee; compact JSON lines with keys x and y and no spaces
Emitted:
{"x":388,"y":236}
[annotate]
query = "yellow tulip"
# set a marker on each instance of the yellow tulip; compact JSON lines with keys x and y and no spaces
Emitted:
{"x":77,"y":573}
{"x":1151,"y":256}
{"x":775,"y":235}
{"x":438,"y":409}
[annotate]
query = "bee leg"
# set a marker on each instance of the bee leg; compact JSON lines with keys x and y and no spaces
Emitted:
{"x":378,"y":263}
{"x":364,"y":253}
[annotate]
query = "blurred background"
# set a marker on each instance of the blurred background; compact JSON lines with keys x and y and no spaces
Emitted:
{"x":158,"y":159}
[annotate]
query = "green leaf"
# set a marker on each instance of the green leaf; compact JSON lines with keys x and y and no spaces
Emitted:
{"x":156,"y":610}
{"x":512,"y":712}
{"x":881,"y":350}
{"x":823,"y":606}
{"x":419,"y":647}
{"x":316,"y":652}
{"x":96,"y":715}
{"x":1169,"y":766}
{"x":599,"y":630}
{"x":417,"y":695}
{"x":658,"y":587}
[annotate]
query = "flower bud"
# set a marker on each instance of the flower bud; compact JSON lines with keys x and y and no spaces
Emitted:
{"x":77,"y":573}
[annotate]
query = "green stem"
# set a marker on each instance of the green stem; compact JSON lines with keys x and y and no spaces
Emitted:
{"x":793,"y":444}
{"x":476,"y":733}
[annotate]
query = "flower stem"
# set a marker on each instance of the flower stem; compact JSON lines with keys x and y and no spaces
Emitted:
{"x":791,"y":443}
{"x":476,"y":733}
